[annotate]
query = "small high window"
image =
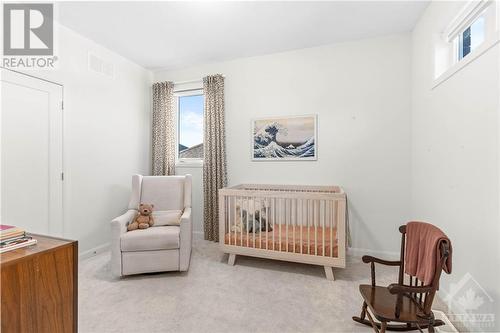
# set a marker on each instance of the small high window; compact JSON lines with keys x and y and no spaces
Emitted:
{"x":471,"y":33}
{"x":471,"y":38}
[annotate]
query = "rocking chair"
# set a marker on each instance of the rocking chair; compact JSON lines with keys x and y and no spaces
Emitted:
{"x":409,"y":305}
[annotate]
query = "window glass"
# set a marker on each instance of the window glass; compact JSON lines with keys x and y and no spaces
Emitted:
{"x":191,"y":126}
{"x":471,"y":38}
{"x":477,"y":33}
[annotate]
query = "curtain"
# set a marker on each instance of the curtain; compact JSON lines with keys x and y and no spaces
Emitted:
{"x":214,"y":150}
{"x":163,"y":129}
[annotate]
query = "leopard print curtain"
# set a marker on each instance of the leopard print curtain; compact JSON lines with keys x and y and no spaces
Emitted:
{"x":163,"y":129}
{"x":214,"y":149}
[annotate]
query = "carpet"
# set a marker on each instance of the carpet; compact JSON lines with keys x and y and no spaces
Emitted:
{"x":255,"y":295}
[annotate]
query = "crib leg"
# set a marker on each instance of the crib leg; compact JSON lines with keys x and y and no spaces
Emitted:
{"x":232,"y":259}
{"x":329,"y":273}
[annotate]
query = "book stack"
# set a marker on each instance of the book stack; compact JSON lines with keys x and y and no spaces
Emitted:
{"x":12,"y":238}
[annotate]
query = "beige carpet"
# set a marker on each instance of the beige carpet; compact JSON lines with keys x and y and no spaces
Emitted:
{"x":255,"y":295}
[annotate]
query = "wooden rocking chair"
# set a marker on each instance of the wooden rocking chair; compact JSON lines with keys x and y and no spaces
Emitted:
{"x":409,"y":305}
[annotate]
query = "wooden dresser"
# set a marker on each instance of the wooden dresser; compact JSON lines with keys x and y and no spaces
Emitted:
{"x":39,"y":287}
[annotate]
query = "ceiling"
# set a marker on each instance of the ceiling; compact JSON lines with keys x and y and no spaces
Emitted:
{"x":168,"y":35}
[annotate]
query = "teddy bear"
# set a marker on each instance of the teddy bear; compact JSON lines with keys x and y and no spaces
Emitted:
{"x":144,"y":219}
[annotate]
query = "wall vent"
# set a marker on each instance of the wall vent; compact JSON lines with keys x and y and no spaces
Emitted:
{"x":99,"y":65}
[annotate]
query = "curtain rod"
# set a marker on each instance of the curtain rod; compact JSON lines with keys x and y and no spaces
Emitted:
{"x":192,"y":81}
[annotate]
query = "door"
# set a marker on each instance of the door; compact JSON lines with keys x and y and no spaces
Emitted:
{"x":31,"y":153}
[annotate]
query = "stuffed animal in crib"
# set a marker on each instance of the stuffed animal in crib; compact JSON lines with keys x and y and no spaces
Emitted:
{"x":144,"y":219}
{"x":259,"y":222}
{"x":245,"y":221}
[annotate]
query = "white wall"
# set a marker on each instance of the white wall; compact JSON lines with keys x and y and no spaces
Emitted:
{"x":361,"y":93}
{"x":106,"y":134}
{"x":197,"y":198}
{"x":455,"y":169}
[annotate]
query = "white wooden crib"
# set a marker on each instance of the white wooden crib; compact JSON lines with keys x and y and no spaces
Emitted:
{"x":305,"y":224}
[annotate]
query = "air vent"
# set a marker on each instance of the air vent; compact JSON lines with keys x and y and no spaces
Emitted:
{"x":99,"y":65}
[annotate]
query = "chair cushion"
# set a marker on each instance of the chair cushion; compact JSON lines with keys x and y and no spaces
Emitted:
{"x":159,"y":238}
{"x":167,"y":217}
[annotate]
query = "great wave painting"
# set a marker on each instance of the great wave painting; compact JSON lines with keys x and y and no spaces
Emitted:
{"x":285,"y":138}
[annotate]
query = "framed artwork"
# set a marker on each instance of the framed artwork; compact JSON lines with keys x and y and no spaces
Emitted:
{"x":285,"y":138}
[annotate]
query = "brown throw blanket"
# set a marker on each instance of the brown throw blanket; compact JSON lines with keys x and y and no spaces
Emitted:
{"x":423,"y":252}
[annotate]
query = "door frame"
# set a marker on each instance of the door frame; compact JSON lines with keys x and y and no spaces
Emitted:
{"x":63,"y":162}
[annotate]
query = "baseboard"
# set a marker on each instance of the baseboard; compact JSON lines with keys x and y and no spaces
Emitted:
{"x":94,"y":251}
{"x":358,"y":253}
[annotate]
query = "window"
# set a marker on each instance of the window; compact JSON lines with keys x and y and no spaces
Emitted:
{"x":470,"y":38}
{"x":471,"y":33}
{"x":190,"y":106}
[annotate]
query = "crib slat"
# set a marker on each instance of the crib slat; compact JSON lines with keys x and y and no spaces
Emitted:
{"x":223,"y":213}
{"x":336,"y":225}
{"x":228,"y":208}
{"x":332,"y":241}
{"x":308,"y":228}
{"x":315,"y":228}
{"x":274,"y":222}
{"x":267,"y":226}
{"x":247,"y":210}
{"x":253,"y":220}
{"x":301,"y":223}
{"x":306,"y":225}
{"x":230,"y":219}
{"x":280,"y":221}
{"x":323,"y":230}
{"x":260,"y":224}
{"x":294,"y":204}
{"x":342,"y":228}
{"x":234,"y":221}
{"x":287,"y":205}
{"x":241,"y":221}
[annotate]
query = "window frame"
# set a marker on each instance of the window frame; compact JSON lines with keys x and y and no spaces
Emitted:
{"x":458,"y":39}
{"x":187,"y":162}
{"x":447,"y":61}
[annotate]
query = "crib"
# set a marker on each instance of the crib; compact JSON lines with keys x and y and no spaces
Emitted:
{"x":305,"y":224}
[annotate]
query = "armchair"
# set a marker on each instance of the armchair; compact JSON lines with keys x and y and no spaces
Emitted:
{"x":158,"y":248}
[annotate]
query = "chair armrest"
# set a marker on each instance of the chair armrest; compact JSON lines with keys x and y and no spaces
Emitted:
{"x":368,"y":259}
{"x":373,"y":260}
{"x":185,"y":239}
{"x":186,"y":215}
{"x":119,"y":224}
{"x":396,"y":288}
{"x":118,"y":228}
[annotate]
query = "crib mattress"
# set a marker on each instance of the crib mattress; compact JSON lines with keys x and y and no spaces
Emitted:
{"x":311,"y":242}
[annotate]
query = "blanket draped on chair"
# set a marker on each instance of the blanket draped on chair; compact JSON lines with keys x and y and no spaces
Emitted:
{"x":423,"y":252}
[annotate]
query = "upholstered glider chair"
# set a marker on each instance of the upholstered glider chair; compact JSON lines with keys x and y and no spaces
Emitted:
{"x":166,"y":246}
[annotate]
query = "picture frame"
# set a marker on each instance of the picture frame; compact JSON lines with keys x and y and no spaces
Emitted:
{"x":285,"y":138}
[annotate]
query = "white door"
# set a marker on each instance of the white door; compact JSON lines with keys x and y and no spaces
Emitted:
{"x":31,"y":153}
